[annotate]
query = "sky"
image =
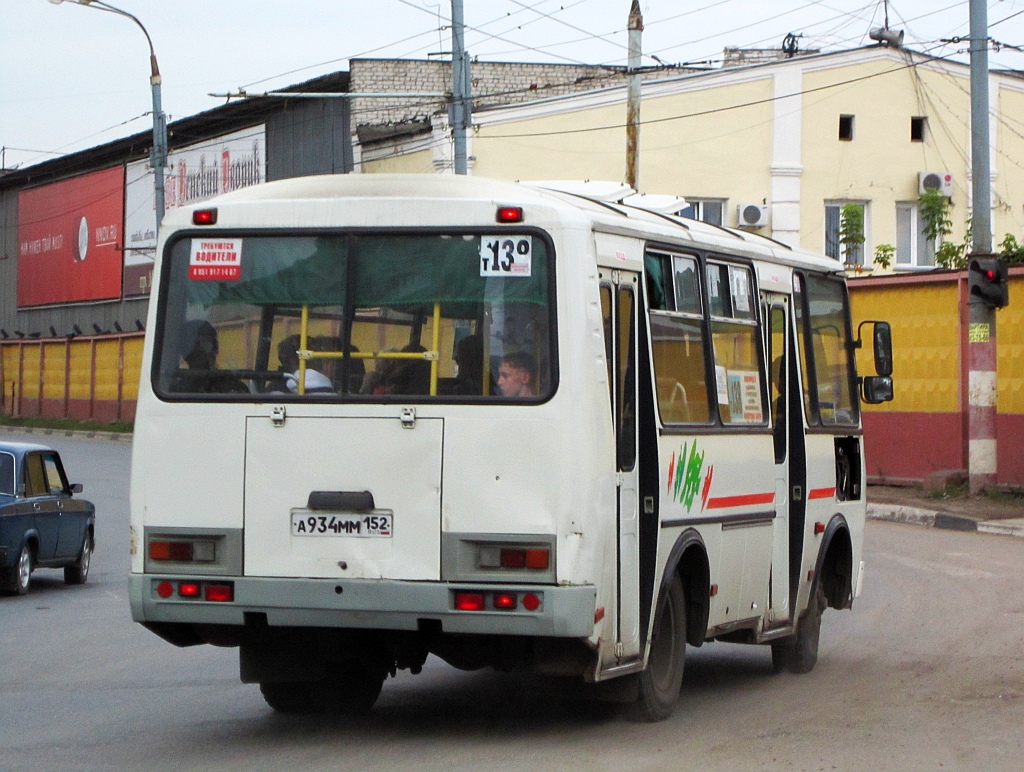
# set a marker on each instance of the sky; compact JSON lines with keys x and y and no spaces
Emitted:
{"x":72,"y":77}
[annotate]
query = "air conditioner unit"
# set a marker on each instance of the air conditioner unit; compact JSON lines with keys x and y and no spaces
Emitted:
{"x":751,"y":215}
{"x":939,"y":182}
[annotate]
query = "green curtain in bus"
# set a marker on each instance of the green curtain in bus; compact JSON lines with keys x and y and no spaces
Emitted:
{"x":412,"y":272}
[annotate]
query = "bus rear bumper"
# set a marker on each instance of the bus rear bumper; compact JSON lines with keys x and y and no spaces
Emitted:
{"x":563,"y":611}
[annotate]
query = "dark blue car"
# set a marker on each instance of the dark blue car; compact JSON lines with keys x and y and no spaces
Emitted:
{"x":42,"y":524}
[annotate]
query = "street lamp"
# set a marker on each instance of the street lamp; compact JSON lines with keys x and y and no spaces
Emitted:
{"x":159,"y":157}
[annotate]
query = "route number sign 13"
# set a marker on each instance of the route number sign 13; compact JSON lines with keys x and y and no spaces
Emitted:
{"x":506,"y":255}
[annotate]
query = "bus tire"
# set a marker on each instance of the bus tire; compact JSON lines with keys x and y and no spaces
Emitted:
{"x":661,"y":680}
{"x":799,"y":653}
{"x":351,"y":690}
{"x":289,"y":696}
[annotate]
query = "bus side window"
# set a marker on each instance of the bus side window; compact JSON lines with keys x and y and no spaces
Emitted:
{"x":606,"y":315}
{"x":734,"y":337}
{"x":678,"y":347}
{"x":659,"y":291}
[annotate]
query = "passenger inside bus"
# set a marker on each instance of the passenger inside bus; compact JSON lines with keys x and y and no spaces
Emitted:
{"x":315,"y":381}
{"x":517,"y":375}
{"x":199,"y":349}
{"x":469,"y":357}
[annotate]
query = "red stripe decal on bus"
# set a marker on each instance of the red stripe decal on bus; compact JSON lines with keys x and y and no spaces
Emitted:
{"x":821,"y":493}
{"x":747,"y":500}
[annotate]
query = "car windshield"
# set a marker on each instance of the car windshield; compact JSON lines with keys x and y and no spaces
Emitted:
{"x":346,"y":317}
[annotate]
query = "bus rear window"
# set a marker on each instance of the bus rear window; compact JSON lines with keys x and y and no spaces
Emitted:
{"x":343,"y":316}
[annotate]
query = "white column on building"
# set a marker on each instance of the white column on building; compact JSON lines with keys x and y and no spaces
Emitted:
{"x":786,"y":168}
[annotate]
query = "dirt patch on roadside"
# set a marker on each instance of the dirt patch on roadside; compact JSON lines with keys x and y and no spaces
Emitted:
{"x":997,"y":506}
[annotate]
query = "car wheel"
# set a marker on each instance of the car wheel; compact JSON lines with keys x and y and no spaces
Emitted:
{"x":17,"y":577}
{"x":661,"y":680}
{"x":799,"y":653}
{"x":78,"y":571}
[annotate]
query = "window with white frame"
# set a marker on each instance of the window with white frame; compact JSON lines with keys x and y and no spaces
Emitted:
{"x":851,"y":254}
{"x":709,"y":210}
{"x":913,"y":248}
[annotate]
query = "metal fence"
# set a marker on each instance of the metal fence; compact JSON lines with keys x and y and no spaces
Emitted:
{"x":87,"y":377}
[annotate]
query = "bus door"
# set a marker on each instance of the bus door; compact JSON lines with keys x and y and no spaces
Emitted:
{"x":787,"y":430}
{"x":619,"y":308}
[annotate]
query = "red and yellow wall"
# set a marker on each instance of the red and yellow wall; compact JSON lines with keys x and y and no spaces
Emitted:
{"x":924,"y":429}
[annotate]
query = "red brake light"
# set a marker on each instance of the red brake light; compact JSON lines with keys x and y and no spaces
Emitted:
{"x":506,"y":601}
{"x":531,"y":602}
{"x":469,"y":601}
{"x":222,"y":593}
{"x":537,"y":558}
{"x":165,"y":589}
{"x":179,"y":551}
{"x":188,"y":590}
{"x":510,"y":214}
{"x":204,"y":217}
{"x":513,"y":558}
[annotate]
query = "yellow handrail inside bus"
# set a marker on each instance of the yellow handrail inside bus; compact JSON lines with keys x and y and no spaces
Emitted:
{"x":433,"y":355}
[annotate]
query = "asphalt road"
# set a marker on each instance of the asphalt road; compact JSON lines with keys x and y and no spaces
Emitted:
{"x":925,"y":673}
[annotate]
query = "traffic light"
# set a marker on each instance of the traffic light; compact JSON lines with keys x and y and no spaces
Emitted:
{"x":987,"y":281}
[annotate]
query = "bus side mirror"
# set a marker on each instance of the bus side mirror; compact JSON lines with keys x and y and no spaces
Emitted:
{"x":76,"y":487}
{"x":883,"y":349}
{"x":881,"y":337}
{"x":876,"y":389}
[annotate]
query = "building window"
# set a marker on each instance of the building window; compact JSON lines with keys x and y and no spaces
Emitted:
{"x":846,"y":128}
{"x":913,"y":247}
{"x":706,"y":210}
{"x":918,"y":126}
{"x":851,"y":254}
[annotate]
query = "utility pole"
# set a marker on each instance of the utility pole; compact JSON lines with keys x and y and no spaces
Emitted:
{"x":636,"y":28}
{"x":461,"y":88}
{"x":981,"y":347}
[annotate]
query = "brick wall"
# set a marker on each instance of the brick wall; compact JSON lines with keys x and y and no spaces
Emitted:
{"x":493,"y":84}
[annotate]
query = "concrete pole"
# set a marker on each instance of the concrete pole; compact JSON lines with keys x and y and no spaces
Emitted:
{"x":636,"y":28}
{"x":981,"y":346}
{"x":460,"y":88}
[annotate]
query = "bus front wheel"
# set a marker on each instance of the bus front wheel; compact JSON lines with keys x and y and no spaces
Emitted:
{"x":661,"y":680}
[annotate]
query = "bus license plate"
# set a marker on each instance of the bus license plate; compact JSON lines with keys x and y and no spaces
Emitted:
{"x":306,"y":524}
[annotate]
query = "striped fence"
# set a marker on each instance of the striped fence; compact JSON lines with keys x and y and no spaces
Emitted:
{"x":89,"y":377}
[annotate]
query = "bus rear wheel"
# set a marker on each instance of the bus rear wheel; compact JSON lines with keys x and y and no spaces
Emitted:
{"x":799,"y":653}
{"x":661,"y":680}
{"x":350,"y":690}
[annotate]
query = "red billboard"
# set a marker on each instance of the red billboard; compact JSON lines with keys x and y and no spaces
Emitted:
{"x":70,"y":240}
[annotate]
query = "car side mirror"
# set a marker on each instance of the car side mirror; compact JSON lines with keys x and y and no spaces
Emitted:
{"x":76,"y":487}
{"x":876,"y":389}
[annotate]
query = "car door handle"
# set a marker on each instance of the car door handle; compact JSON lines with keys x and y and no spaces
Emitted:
{"x":35,"y":505}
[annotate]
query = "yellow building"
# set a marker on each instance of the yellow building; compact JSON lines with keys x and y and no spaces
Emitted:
{"x":778,"y":147}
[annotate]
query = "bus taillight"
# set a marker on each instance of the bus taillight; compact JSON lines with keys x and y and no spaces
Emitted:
{"x":524,"y":558}
{"x":469,"y":601}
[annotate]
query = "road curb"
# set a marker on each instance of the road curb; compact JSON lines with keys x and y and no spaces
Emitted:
{"x":39,"y":431}
{"x":917,"y":516}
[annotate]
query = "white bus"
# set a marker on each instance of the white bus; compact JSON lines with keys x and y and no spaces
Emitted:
{"x":384,"y":416}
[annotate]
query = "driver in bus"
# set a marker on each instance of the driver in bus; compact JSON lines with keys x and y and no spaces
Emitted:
{"x":200,"y":348}
{"x":517,"y":375}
